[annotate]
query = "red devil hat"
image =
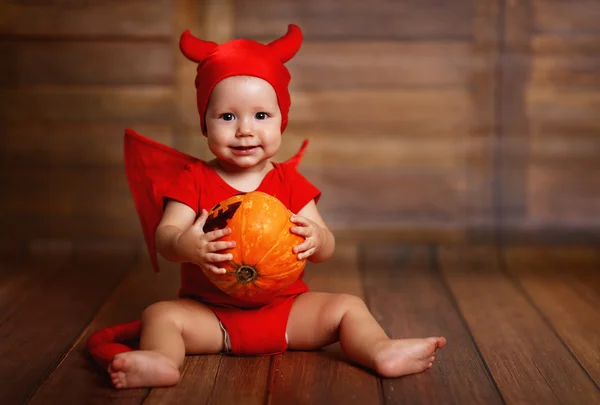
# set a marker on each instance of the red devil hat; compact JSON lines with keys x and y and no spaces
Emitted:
{"x":242,"y":57}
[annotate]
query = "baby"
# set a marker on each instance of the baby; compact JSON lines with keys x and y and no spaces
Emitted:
{"x":243,"y":102}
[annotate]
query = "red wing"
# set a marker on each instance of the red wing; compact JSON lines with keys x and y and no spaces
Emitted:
{"x":151,"y":167}
{"x":295,"y":160}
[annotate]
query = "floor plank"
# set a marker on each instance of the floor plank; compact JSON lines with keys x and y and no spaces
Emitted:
{"x":197,"y":383}
{"x":525,"y":357}
{"x":325,"y":376}
{"x":50,"y":312}
{"x":565,"y":285}
{"x":78,"y":380}
{"x":407,"y":297}
{"x":241,"y":380}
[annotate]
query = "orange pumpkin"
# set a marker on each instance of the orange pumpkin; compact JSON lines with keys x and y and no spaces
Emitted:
{"x":263,"y":263}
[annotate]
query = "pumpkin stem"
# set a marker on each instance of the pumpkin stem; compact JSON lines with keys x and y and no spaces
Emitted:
{"x":246,"y":274}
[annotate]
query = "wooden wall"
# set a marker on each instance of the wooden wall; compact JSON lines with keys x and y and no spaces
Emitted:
{"x":428,"y":120}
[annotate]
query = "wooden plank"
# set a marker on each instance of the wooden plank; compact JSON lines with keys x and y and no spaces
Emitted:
{"x":348,"y":65}
{"x":320,"y":378}
{"x":125,"y":105}
{"x":196,"y":384}
{"x":564,"y":151}
{"x":78,"y":379}
{"x":24,"y":275}
{"x":571,"y":16}
{"x":329,"y":19}
{"x":241,"y":380}
{"x":408,"y":298}
{"x":95,"y":18}
{"x":481,"y":139}
{"x":49,"y":317}
{"x":564,"y":284}
{"x":86,"y":63}
{"x":391,"y":198}
{"x":124,"y":227}
{"x":525,"y":357}
{"x":55,"y":144}
{"x":561,"y":60}
{"x":563,"y":111}
{"x":512,"y":149}
{"x":565,"y":195}
{"x":67,"y":190}
{"x":325,"y":376}
{"x":424,"y":112}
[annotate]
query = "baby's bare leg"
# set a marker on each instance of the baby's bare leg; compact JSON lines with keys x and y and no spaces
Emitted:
{"x":170,"y":329}
{"x":319,"y":319}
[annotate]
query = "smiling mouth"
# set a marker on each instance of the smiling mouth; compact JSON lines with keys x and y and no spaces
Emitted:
{"x":243,"y":147}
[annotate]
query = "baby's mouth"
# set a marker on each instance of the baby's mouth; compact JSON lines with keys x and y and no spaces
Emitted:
{"x":243,"y":147}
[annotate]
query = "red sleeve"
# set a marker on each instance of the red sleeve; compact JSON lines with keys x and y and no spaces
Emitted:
{"x":302,"y":192}
{"x":185,"y":188}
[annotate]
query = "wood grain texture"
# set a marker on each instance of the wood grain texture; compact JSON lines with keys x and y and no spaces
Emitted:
{"x":356,"y":197}
{"x":563,"y":284}
{"x":563,"y":111}
{"x":565,"y":196}
{"x":86,"y":63}
{"x":81,"y":104}
{"x":320,"y":378}
{"x":94,"y":18}
{"x":481,"y":140}
{"x":348,"y":65}
{"x":196,"y":384}
{"x":65,"y":298}
{"x":78,"y":379}
{"x":405,"y":113}
{"x":529,"y":363}
{"x":408,"y":298}
{"x":241,"y":380}
{"x":512,"y":148}
{"x":562,"y":60}
{"x":51,"y":145}
{"x":355,"y":19}
{"x":571,"y":16}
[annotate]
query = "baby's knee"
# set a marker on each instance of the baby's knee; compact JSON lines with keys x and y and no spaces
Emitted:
{"x":164,"y":311}
{"x":347,"y":302}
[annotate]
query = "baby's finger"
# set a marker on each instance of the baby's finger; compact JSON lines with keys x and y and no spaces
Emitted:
{"x":215,"y":269}
{"x":297,"y":219}
{"x":219,"y":233}
{"x":218,"y":257}
{"x":222,"y":245}
{"x":307,"y":254}
{"x":304,"y":246}
{"x":301,"y":231}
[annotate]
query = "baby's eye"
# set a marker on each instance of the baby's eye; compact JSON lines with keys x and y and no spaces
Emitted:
{"x":227,"y":116}
{"x":261,"y":116}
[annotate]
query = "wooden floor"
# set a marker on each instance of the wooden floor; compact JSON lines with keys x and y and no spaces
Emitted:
{"x":522,"y":323}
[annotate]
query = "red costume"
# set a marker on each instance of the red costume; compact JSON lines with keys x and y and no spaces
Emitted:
{"x":157,"y":172}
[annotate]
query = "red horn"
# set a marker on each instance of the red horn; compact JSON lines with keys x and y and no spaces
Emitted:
{"x":287,"y":46}
{"x":193,"y":48}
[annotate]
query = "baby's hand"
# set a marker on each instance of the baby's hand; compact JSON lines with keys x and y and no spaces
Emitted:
{"x":313,"y":236}
{"x":201,"y":248}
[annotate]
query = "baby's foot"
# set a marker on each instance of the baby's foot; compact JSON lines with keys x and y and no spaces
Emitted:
{"x":142,"y":368}
{"x":395,"y":358}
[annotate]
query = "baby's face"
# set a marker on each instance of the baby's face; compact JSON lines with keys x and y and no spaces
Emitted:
{"x":243,"y":121}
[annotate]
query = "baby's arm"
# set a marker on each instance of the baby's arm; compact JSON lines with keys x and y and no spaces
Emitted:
{"x":319,"y":244}
{"x":177,"y":218}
